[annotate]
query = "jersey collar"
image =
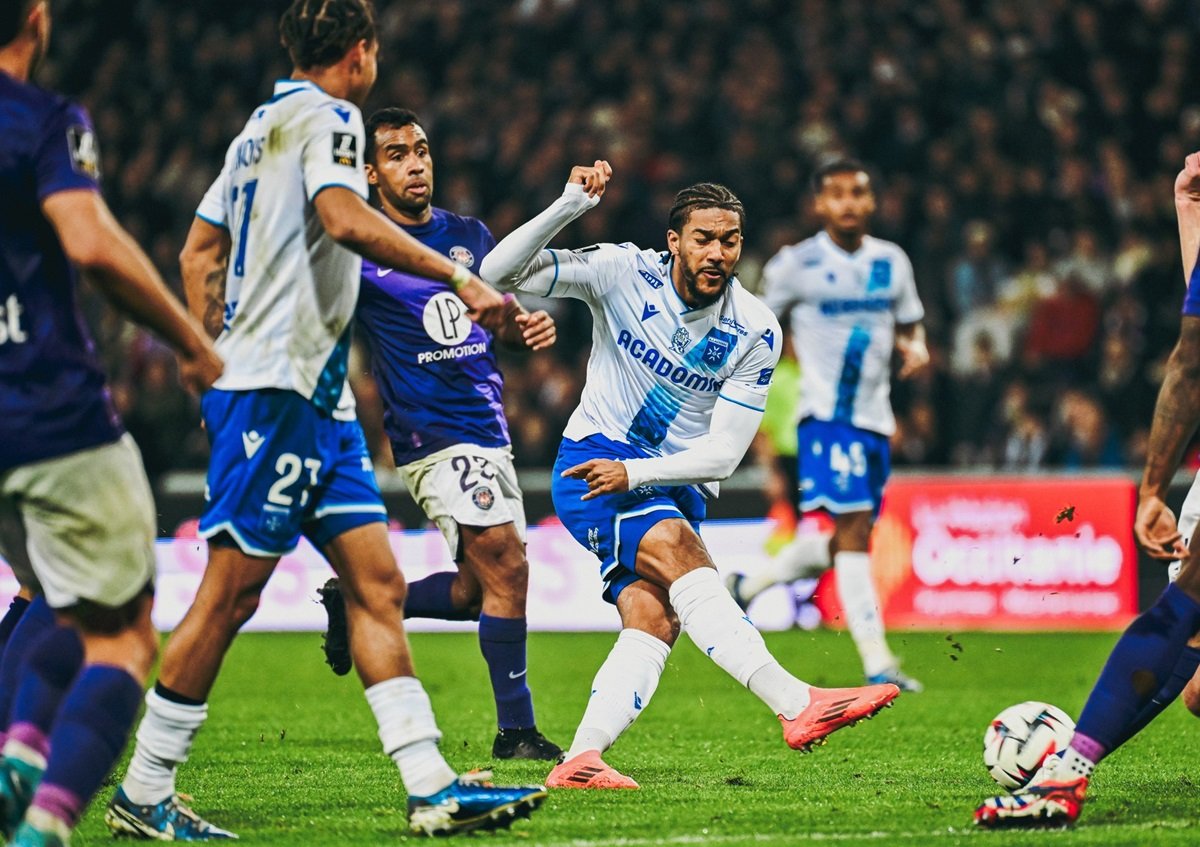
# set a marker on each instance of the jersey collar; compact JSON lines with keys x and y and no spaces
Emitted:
{"x":836,"y":248}
{"x":284,"y":87}
{"x":684,"y":310}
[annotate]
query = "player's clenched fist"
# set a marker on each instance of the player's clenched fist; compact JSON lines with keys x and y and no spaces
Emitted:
{"x":603,"y":476}
{"x":485,"y":305}
{"x":1187,"y":183}
{"x":594,"y":179}
{"x":538,"y":330}
{"x":1156,"y":530}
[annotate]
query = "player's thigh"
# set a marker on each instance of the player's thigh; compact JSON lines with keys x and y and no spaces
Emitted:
{"x":467,"y":489}
{"x":89,"y":524}
{"x":670,"y":549}
{"x":647,"y":607}
{"x":363,"y":559}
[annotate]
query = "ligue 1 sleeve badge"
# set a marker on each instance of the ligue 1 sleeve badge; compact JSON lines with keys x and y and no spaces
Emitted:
{"x":483,"y":498}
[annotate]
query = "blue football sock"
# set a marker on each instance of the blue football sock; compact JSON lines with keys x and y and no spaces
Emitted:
{"x":502,"y":641}
{"x":1141,"y":664}
{"x":1185,"y":669}
{"x":89,"y":734}
{"x":36,"y":620}
{"x":53,"y":662}
{"x":431,"y":597}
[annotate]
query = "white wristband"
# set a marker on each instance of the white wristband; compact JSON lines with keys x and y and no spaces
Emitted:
{"x":460,"y":278}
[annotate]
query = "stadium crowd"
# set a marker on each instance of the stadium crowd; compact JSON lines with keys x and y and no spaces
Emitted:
{"x":1023,"y":151}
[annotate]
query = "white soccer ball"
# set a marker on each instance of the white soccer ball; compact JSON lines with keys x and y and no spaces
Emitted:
{"x":1020,"y":738}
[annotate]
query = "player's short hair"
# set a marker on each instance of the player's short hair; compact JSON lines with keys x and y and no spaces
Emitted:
{"x":704,"y":195}
{"x":317,"y":33}
{"x":12,"y":19}
{"x":836,"y":165}
{"x":392,"y":117}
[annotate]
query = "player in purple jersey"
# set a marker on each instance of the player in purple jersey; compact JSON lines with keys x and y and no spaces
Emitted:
{"x":79,"y":518}
{"x":1156,"y":657}
{"x":443,"y":413}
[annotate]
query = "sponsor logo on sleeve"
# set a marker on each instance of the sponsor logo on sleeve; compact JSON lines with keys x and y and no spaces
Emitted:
{"x":345,"y":149}
{"x":650,"y":278}
{"x":85,"y":156}
{"x":764,"y":376}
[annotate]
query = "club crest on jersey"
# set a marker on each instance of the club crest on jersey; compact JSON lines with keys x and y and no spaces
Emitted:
{"x":680,"y":340}
{"x":345,"y":149}
{"x":483,"y":498}
{"x":462,"y":255}
{"x":716,"y":350}
{"x":85,"y":156}
{"x":594,"y":539}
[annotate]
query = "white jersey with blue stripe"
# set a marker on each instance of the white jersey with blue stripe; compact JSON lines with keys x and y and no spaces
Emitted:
{"x":290,"y":290}
{"x":843,"y":310}
{"x":658,"y":367}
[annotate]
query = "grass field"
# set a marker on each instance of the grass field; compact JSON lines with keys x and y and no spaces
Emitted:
{"x":290,"y":754}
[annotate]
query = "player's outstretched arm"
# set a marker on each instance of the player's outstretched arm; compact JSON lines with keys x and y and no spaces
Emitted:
{"x":520,"y":259}
{"x":1187,"y":209}
{"x":355,"y":225}
{"x":99,"y":246}
{"x":1176,"y":415}
{"x":204,"y":264}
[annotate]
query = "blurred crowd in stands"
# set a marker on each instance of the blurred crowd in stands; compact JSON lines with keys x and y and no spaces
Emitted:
{"x":1023,"y":151}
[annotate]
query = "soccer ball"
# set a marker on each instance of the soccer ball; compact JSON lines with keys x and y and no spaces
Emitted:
{"x":1020,"y":738}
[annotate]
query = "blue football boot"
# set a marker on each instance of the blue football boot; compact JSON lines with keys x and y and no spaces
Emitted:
{"x":18,"y":781}
{"x":470,"y":803}
{"x":170,"y":820}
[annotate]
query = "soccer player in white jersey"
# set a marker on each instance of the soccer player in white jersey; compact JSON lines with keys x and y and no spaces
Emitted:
{"x":682,"y":357}
{"x":850,"y":298}
{"x":282,"y":231}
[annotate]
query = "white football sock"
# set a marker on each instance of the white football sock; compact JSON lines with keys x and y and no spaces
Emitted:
{"x":164,"y":740}
{"x":410,"y":735}
{"x":806,"y":556}
{"x":861,"y":606}
{"x":621,"y":690}
{"x":1070,"y":763}
{"x":718,"y":627}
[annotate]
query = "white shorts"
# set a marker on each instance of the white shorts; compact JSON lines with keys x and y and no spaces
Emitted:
{"x":1189,"y":517}
{"x":81,"y":526}
{"x":466,"y":485}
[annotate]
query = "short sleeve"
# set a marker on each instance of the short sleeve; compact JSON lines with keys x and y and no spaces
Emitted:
{"x":487,"y":241}
{"x":67,"y":156}
{"x":751,"y":379}
{"x":908,"y":308}
{"x":213,"y":208}
{"x":334,"y":149}
{"x":778,"y":288}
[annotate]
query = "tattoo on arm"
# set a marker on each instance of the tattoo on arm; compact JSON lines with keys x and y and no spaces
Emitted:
{"x":1177,"y":412}
{"x":214,"y":298}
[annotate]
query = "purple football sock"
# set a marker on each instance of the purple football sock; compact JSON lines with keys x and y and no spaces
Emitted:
{"x":38,"y":617}
{"x":53,"y":662}
{"x":502,"y":642}
{"x":431,"y":598}
{"x":89,"y":734}
{"x":1140,"y":665}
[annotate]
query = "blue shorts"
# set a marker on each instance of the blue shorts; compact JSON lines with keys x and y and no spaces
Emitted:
{"x":612,"y":526}
{"x":842,"y":468}
{"x":280,"y":469}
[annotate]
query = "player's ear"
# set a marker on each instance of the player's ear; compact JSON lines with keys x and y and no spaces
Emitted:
{"x":672,"y":242}
{"x":372,"y":177}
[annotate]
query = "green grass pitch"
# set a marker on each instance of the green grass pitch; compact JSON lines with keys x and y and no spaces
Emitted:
{"x":290,"y":756}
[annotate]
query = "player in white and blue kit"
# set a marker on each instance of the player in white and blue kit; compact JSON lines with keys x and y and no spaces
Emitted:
{"x":682,"y":357}
{"x":282,"y":231}
{"x":850,"y":299}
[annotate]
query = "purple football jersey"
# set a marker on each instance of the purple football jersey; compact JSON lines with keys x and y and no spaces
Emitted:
{"x":435,"y":367}
{"x":53,"y":398}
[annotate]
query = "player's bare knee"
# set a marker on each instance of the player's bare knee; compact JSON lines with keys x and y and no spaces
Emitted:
{"x":670,"y":550}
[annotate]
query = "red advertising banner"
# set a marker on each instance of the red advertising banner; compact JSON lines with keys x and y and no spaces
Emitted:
{"x":1004,"y":553}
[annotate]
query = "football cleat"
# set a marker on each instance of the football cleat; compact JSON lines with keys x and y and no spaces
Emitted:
{"x":18,"y":780}
{"x":525,"y":744}
{"x":587,"y":770}
{"x":336,"y":640}
{"x":1050,"y":799}
{"x":170,"y":820}
{"x":472,"y":803}
{"x":29,"y":836}
{"x":733,"y":584}
{"x":898,"y":678}
{"x":833,"y":708}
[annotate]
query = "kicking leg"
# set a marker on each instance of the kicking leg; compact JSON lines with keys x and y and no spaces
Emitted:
{"x":806,"y":556}
{"x":672,"y":555}
{"x":622,"y":687}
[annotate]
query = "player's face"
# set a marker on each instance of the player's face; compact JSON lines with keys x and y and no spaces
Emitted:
{"x":706,"y":252}
{"x":403,"y":169}
{"x":845,"y":202}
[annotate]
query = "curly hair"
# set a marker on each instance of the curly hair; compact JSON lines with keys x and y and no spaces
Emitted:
{"x":317,"y":33}
{"x":392,"y":117}
{"x":835,"y":165}
{"x":704,"y":195}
